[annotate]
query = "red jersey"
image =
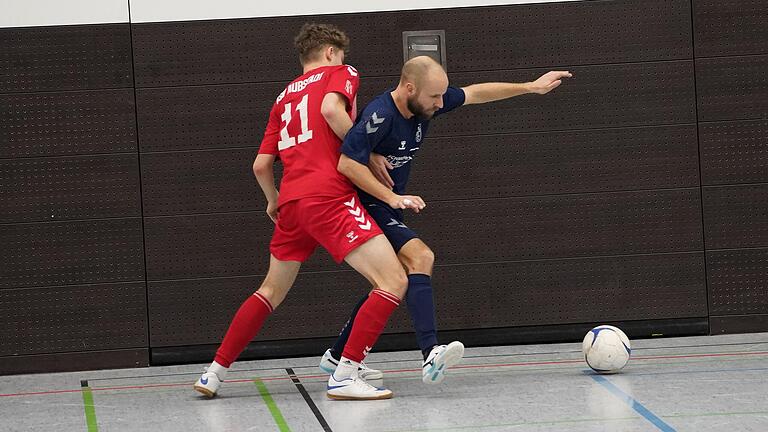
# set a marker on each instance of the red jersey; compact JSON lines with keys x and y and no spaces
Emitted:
{"x":299,"y":135}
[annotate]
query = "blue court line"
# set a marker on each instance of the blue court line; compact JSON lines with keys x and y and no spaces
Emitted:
{"x":634,"y":404}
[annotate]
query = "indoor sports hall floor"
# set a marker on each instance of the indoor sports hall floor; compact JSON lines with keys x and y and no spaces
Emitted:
{"x":707,"y":383}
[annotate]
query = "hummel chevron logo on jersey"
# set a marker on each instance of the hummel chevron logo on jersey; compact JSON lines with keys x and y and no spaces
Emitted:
{"x":356,"y":211}
{"x":369,"y":127}
{"x":396,"y":222}
{"x":350,"y":203}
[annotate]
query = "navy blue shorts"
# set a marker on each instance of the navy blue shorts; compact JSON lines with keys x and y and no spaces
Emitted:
{"x":391,"y":222}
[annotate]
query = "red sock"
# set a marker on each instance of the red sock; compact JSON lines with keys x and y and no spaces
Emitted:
{"x":369,"y":323}
{"x":245,"y":325}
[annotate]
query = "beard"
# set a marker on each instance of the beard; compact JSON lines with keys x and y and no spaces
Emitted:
{"x":419,"y":111}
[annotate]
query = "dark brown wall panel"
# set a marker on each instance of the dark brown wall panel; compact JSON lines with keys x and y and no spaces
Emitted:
{"x":570,"y":291}
{"x":561,"y":226}
{"x":186,"y":118}
{"x":51,"y":189}
{"x":229,"y":244}
{"x":730,"y":27}
{"x":176,"y":307}
{"x":736,"y":216}
{"x":502,"y":37}
{"x":64,"y":253}
{"x":737,"y":281}
{"x":508,"y":294}
{"x":603,"y":96}
{"x":244,"y":50}
{"x":65,"y":58}
{"x":67,"y":123}
{"x":200,"y":182}
{"x":479,"y":230}
{"x":566,"y":33}
{"x":734,"y":152}
{"x":73,"y":318}
{"x":555,"y":162}
{"x":732,"y":88}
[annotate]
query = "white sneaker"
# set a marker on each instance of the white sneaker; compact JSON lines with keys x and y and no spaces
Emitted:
{"x":208,"y":384}
{"x":328,"y":365}
{"x":439,"y":359}
{"x":355,"y":389}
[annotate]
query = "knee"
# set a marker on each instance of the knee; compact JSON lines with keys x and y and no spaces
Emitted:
{"x":273,"y":295}
{"x":396,"y":283}
{"x":421,"y":262}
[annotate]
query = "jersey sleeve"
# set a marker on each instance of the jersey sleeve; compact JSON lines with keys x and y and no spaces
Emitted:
{"x":345,"y":81}
{"x":271,"y":134}
{"x":453,"y":98}
{"x":365,"y":135}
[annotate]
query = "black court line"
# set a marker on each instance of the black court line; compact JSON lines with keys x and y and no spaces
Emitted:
{"x":308,"y":399}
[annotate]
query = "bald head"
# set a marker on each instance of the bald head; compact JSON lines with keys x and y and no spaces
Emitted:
{"x":421,"y":68}
{"x":423,"y":82}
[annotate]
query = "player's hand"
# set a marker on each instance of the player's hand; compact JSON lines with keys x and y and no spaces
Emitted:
{"x":412,"y":202}
{"x":272,"y":211}
{"x":549,"y":81}
{"x":379,"y":165}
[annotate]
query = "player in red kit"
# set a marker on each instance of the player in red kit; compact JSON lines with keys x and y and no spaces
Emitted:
{"x":317,"y":205}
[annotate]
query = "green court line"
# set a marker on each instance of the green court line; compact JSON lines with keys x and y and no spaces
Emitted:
{"x":90,"y":410}
{"x":273,"y":409}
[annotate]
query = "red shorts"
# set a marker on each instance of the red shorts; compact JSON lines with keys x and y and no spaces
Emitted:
{"x":338,"y":224}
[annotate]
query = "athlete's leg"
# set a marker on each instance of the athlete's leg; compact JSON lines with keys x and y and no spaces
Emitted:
{"x":375,"y":260}
{"x":248,"y":321}
{"x":418,"y":259}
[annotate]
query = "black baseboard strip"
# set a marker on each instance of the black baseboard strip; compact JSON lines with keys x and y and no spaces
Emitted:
{"x":74,"y":361}
{"x":739,"y":324}
{"x":407,"y":341}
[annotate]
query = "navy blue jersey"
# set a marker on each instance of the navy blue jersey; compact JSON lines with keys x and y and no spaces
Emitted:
{"x":381,"y":129}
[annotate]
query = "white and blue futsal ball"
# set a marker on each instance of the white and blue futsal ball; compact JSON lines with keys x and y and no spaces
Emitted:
{"x":606,"y":349}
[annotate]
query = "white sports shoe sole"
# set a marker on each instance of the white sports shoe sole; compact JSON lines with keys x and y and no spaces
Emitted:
{"x":355,"y":389}
{"x":434,"y":373}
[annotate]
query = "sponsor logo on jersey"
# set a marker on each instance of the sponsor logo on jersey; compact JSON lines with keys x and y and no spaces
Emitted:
{"x":398,"y":161}
{"x":418,"y":133}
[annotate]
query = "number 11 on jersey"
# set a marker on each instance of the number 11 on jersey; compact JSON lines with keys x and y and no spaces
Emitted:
{"x":287,"y":141}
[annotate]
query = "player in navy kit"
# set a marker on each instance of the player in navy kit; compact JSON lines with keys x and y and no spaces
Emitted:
{"x":377,"y":154}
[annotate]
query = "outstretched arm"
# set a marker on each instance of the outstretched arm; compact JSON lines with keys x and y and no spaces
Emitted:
{"x":493,"y":91}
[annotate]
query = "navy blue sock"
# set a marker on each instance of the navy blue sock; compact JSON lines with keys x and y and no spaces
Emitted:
{"x":341,"y":341}
{"x":422,"y":309}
